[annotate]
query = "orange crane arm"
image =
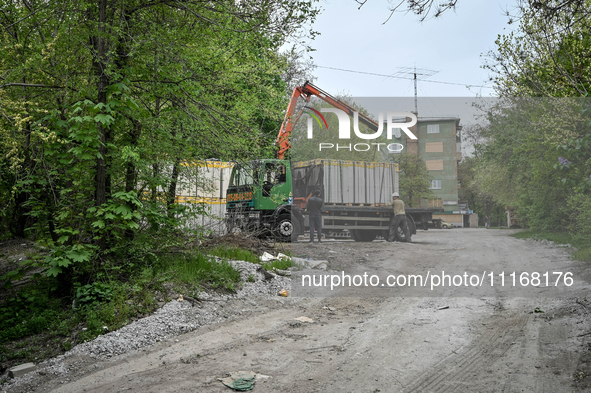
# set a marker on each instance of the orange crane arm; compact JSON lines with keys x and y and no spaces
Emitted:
{"x":307,"y":90}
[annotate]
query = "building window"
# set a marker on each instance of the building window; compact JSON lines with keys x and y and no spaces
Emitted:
{"x":435,"y":185}
{"x":434,"y":147}
{"x":432,"y":128}
{"x":435,"y":202}
{"x":397,"y":132}
{"x":434,"y":165}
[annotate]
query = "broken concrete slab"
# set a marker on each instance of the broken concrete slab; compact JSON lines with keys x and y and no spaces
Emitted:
{"x":310,"y":263}
{"x":21,"y":370}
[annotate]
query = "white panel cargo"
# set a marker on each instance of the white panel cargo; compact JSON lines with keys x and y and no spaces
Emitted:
{"x":206,"y":182}
{"x":355,"y":182}
{"x":207,"y":179}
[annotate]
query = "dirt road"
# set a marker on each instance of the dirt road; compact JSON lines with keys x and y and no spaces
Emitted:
{"x":402,"y":341}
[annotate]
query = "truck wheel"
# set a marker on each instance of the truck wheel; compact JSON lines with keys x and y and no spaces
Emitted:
{"x":360,"y":235}
{"x":285,"y":229}
{"x":400,"y":233}
{"x":400,"y":236}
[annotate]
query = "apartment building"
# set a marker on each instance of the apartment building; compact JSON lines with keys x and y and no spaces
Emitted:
{"x":439,"y":144}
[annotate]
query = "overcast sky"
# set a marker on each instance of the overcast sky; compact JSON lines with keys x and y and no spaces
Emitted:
{"x":450,"y":47}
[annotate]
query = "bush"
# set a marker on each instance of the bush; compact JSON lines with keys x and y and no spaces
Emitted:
{"x":579,"y":207}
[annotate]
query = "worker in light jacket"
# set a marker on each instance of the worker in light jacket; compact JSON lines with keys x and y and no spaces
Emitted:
{"x":398,"y":219}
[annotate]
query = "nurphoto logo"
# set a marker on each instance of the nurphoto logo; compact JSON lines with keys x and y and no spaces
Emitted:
{"x":345,"y":129}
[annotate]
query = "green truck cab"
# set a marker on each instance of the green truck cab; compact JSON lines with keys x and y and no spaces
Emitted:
{"x":259,"y":200}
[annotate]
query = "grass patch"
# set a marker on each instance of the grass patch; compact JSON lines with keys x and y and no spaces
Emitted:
{"x":583,"y":252}
{"x":238,"y":254}
{"x":277,"y":264}
{"x":235,"y":254}
{"x":202,"y":270}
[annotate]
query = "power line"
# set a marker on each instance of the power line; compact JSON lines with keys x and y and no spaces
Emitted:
{"x":401,"y":77}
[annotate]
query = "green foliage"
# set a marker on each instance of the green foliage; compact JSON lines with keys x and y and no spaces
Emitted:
{"x":96,"y":292}
{"x":547,"y":54}
{"x":477,"y":189}
{"x":575,"y":165}
{"x":64,"y":256}
{"x":519,"y":163}
{"x":414,"y":179}
{"x":583,"y":247}
{"x":99,"y":116}
{"x":232,"y":253}
{"x":535,"y":150}
{"x":200,"y":270}
{"x":578,"y":208}
{"x":27,"y":312}
{"x":280,"y":264}
{"x":100,"y":113}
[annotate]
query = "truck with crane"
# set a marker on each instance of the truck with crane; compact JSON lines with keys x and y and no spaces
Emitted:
{"x":269,"y":196}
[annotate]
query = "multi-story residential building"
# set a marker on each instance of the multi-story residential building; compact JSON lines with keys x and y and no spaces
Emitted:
{"x":439,"y":144}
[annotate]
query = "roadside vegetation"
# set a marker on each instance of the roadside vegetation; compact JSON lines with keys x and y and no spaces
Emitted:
{"x":533,"y":153}
{"x":104,"y":108}
{"x":39,"y":320}
{"x":582,"y":250}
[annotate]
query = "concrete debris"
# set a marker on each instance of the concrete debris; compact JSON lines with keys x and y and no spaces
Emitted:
{"x":21,"y":370}
{"x":304,"y":319}
{"x":266,"y":257}
{"x":310,"y":263}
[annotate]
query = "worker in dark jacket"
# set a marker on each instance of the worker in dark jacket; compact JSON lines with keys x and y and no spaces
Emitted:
{"x":398,"y":218}
{"x":314,"y":207}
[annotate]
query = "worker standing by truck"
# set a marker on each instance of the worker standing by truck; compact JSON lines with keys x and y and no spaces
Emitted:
{"x":315,"y":214}
{"x":398,"y":219}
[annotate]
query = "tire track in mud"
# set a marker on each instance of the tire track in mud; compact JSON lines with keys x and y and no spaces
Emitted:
{"x":453,"y":374}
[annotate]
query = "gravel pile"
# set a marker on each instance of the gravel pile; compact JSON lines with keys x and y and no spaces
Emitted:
{"x":265,"y":283}
{"x":175,"y":317}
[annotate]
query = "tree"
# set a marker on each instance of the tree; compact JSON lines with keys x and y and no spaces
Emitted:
{"x":472,"y":190}
{"x":421,"y":8}
{"x":436,"y":8}
{"x":547,"y":55}
{"x":102,"y":102}
{"x":537,"y":133}
{"x":415,"y":181}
